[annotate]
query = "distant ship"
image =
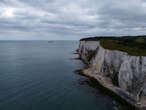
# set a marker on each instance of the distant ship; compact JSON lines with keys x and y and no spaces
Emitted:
{"x":50,"y":41}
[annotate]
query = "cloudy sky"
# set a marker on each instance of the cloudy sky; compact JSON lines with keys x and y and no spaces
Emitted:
{"x":70,"y":19}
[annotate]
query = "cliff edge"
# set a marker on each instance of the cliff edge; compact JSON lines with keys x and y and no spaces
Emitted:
{"x":120,"y":69}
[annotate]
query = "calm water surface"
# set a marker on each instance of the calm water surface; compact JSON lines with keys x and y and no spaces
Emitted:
{"x":37,"y":75}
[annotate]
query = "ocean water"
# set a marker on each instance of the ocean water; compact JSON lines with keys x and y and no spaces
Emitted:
{"x":37,"y":75}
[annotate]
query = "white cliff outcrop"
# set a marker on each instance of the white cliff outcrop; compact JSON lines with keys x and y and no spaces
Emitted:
{"x":128,"y":72}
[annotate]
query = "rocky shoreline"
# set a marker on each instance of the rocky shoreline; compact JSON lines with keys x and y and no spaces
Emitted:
{"x":94,"y":55}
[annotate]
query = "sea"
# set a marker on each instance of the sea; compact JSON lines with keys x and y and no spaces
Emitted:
{"x":40,"y":75}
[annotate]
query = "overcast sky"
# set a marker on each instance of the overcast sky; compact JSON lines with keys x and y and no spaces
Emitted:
{"x":70,"y":19}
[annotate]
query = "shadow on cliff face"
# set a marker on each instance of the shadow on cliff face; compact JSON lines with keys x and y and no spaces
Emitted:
{"x":97,"y":89}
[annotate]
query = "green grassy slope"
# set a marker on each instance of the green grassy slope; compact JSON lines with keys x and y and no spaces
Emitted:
{"x":133,"y":45}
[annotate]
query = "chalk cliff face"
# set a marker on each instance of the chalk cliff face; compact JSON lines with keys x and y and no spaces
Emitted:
{"x":128,"y":72}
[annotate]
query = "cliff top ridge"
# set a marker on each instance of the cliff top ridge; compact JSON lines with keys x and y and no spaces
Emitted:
{"x":133,"y":45}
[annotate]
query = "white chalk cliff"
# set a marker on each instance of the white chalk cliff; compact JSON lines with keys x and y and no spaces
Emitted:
{"x":128,"y":71}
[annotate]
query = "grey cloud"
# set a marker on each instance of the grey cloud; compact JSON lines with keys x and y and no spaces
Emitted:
{"x":64,"y":19}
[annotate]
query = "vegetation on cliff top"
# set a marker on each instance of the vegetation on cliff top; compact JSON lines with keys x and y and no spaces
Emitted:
{"x":133,"y":45}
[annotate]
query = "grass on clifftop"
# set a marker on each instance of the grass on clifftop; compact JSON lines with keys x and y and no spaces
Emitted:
{"x":133,"y":45}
